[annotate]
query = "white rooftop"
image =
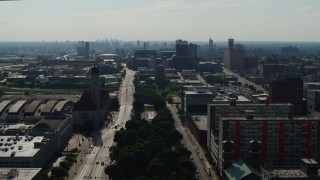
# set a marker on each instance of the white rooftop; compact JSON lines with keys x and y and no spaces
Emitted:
{"x":22,"y":173}
{"x":10,"y":144}
{"x":15,"y":126}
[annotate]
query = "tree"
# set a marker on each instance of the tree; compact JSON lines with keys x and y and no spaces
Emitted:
{"x":174,"y":136}
{"x":169,"y":97}
{"x":156,"y":167}
{"x":44,"y":176}
{"x":138,"y":105}
{"x":114,"y":104}
{"x":113,"y":171}
{"x":58,"y":172}
{"x":65,"y":164}
{"x":128,"y":163}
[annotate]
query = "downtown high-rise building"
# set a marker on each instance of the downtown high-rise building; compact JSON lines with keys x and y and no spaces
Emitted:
{"x":288,"y":90}
{"x":234,"y":57}
{"x":261,"y":134}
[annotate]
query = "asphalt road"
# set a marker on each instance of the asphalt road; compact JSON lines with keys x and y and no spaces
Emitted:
{"x":91,"y":167}
{"x":192,"y":145}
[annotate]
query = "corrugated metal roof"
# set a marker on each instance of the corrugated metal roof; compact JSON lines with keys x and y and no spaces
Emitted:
{"x":60,"y":105}
{"x":3,"y":105}
{"x":33,"y":106}
{"x":49,"y":106}
{"x":17,"y":106}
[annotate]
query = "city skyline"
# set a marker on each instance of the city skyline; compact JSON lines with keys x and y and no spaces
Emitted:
{"x":249,"y":20}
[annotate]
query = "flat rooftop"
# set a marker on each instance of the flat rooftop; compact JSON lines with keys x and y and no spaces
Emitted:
{"x":200,"y":121}
{"x":254,"y":105}
{"x":309,"y":161}
{"x":262,"y":118}
{"x":225,"y":98}
{"x":199,"y":93}
{"x":289,"y":173}
{"x":12,"y":145}
{"x":49,"y":123}
{"x":15,"y":126}
{"x":22,"y":173}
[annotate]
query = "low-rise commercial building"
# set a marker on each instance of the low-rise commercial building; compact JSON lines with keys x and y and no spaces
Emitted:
{"x":198,"y":127}
{"x":35,"y":145}
{"x":20,"y":173}
{"x":208,"y":66}
{"x":196,"y":98}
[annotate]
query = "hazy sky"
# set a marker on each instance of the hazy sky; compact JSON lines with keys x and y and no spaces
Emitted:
{"x":193,"y":20}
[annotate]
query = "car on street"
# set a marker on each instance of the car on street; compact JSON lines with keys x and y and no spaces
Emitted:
{"x":197,"y":175}
{"x":208,"y":170}
{"x":200,"y":156}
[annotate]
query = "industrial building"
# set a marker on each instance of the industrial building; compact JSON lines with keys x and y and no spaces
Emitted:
{"x":15,"y":109}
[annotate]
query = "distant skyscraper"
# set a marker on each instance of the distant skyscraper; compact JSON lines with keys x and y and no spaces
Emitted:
{"x":186,"y":55}
{"x":83,"y":49}
{"x":138,"y":43}
{"x":144,"y":45}
{"x":182,"y":48}
{"x":231,"y":44}
{"x":86,"y":50}
{"x":193,"y":52}
{"x":234,"y":58}
{"x":210,"y":43}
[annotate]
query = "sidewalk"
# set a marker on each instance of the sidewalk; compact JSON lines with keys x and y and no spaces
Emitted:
{"x":192,"y":144}
{"x":80,"y":142}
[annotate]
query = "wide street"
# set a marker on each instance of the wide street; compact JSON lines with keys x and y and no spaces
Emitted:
{"x":245,"y":81}
{"x":192,"y":145}
{"x":94,"y":162}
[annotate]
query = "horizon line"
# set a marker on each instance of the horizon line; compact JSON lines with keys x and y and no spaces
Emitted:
{"x":141,"y":41}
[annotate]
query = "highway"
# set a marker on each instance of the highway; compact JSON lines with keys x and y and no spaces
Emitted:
{"x":92,"y":167}
{"x":192,"y":145}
